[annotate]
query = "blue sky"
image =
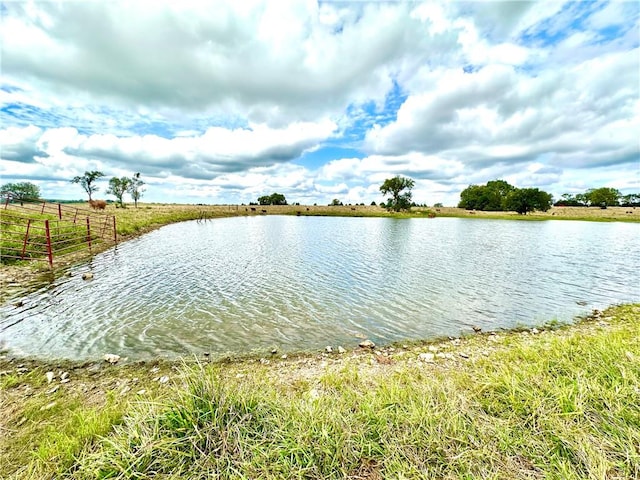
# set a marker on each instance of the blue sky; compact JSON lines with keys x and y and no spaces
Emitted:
{"x":222,"y":102}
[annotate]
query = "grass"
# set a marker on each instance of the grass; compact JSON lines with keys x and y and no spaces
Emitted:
{"x":563,"y":403}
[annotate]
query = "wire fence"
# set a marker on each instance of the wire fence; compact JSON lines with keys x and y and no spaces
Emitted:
{"x":44,"y":231}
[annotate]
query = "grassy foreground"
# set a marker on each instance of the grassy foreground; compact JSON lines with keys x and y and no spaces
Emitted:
{"x":558,"y":402}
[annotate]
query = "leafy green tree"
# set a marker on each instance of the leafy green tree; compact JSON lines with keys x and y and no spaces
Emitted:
{"x":273,"y":199}
{"x":335,"y":203}
{"x":22,"y":190}
{"x":606,"y":197}
{"x":118,"y":187}
{"x":523,"y":200}
{"x":489,"y":197}
{"x":396,"y":186}
{"x":135,"y":188}
{"x":87,"y":181}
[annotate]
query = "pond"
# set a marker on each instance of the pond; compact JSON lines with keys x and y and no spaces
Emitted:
{"x":296,"y":283}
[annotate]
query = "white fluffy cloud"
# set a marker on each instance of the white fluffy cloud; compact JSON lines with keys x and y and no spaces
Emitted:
{"x":226,"y":101}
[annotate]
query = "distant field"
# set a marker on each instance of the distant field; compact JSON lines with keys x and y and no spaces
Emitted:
{"x":629,"y":214}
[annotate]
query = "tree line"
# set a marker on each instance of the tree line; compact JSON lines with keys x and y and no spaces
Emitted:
{"x":495,"y":195}
{"x":600,"y":197}
{"x":118,"y":187}
{"x":499,"y":195}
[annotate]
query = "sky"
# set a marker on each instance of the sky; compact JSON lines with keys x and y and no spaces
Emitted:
{"x":222,"y":102}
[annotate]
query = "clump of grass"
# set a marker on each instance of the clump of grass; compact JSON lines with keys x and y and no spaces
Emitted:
{"x":555,"y":406}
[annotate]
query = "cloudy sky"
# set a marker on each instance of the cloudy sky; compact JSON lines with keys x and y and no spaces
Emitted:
{"x":222,"y":102}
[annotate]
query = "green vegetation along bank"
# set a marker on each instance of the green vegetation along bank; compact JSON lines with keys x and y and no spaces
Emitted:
{"x":553,"y":402}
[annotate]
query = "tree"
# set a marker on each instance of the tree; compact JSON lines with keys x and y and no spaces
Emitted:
{"x":118,"y":187}
{"x":335,"y":203}
{"x":273,"y":199}
{"x":87,"y":180}
{"x":135,"y":188}
{"x":523,"y":200}
{"x":21,"y":191}
{"x":395,"y":186}
{"x":489,"y":197}
{"x":603,"y":197}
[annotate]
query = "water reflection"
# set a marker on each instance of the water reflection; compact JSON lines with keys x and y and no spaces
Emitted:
{"x":246,"y":283}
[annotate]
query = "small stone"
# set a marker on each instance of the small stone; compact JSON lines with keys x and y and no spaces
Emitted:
{"x":87,"y":276}
{"x":455,"y":342}
{"x":53,"y":390}
{"x":163,"y":379}
{"x":240,"y":375}
{"x":65,"y":380}
{"x":50,"y":377}
{"x":535,"y":331}
{"x":274,"y":351}
{"x":433,"y":348}
{"x":284,"y":357}
{"x":367,"y":344}
{"x":48,"y":406}
{"x":125,"y":389}
{"x":141,"y":392}
{"x":64,"y":375}
{"x":264,"y":361}
{"x":426,"y":357}
{"x":328,"y":349}
{"x":154,"y":370}
{"x":111,"y":358}
{"x":341,"y":350}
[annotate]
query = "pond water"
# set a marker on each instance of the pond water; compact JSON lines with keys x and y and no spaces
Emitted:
{"x":295,"y":283}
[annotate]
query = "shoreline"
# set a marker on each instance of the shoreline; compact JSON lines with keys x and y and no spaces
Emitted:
{"x":40,"y":396}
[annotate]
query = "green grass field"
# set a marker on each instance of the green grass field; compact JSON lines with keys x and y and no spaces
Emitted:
{"x":560,"y":402}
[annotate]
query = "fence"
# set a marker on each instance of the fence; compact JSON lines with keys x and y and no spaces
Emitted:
{"x":41,"y":230}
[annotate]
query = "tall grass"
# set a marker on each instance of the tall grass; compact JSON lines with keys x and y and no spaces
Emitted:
{"x":564,"y":405}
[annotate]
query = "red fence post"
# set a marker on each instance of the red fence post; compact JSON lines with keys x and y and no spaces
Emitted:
{"x":44,"y":204}
{"x":49,"y":251}
{"x":89,"y":233}
{"x":60,"y":211}
{"x":26,"y":239}
{"x":115,"y":233}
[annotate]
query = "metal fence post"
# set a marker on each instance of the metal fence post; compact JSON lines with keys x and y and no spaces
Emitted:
{"x":60,"y":211}
{"x":115,"y":233}
{"x":26,"y":239}
{"x":49,"y":250}
{"x":89,"y":233}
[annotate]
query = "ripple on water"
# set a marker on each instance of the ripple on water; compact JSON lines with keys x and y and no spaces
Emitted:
{"x":240,"y":284}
